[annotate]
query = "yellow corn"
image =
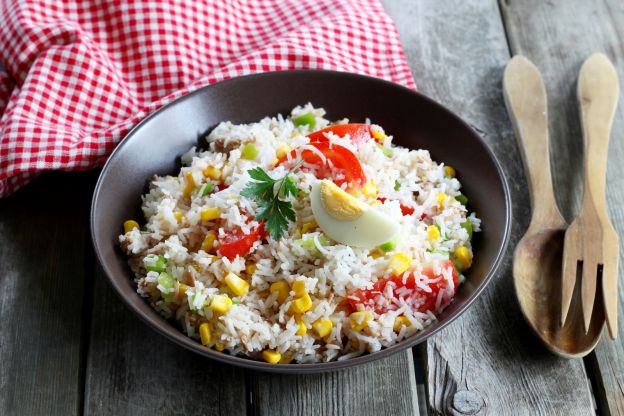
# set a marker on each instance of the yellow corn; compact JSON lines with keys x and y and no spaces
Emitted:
{"x":182,"y":288}
{"x":204,"y":333}
{"x":178,"y":216}
{"x":282,"y":288}
{"x":212,"y":172}
{"x":323,"y":327}
{"x":271,"y":356}
{"x":433,"y":233}
{"x":208,"y":243}
{"x":400,"y":322}
{"x":130,"y":225}
{"x":299,"y":288}
{"x":237,"y":285}
{"x":308,"y":226}
{"x":359,"y":320}
{"x":286,"y":359}
{"x":251,"y":268}
{"x":464,"y":257}
{"x":370,"y":189}
{"x":379,"y":135}
{"x":190,"y":184}
{"x":399,"y":263}
{"x":282,"y":151}
{"x":441,"y":198}
{"x":302,"y":304}
{"x":449,"y":171}
{"x":302,"y":327}
{"x":219,"y":346}
{"x":221,"y":303}
{"x":376,"y":254}
{"x":210,"y":214}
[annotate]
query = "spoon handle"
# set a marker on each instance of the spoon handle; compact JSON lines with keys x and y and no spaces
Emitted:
{"x":525,"y":98}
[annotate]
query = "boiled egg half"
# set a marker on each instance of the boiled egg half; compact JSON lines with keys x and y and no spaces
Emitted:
{"x":347,"y":220}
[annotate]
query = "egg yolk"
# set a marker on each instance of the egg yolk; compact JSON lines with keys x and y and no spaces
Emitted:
{"x":339,"y":204}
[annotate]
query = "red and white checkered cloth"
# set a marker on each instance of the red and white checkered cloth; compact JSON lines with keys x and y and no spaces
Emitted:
{"x":81,"y":73}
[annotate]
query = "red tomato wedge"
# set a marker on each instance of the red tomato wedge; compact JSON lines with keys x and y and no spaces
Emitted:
{"x":406,"y":210}
{"x":358,"y":132}
{"x":340,"y":157}
{"x":419,"y":299}
{"x":236,"y":243}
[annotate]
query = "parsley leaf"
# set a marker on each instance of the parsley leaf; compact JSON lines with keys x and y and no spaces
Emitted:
{"x":275,"y":212}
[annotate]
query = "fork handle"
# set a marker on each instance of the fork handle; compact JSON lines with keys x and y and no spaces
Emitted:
{"x":525,"y":98}
{"x":598,"y":91}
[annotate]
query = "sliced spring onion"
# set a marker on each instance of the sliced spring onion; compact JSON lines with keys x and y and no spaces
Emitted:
{"x":467,"y":225}
{"x":386,"y":151}
{"x":205,"y":189}
{"x":154,"y":263}
{"x":397,"y":185}
{"x":307,"y":118}
{"x":461,"y":198}
{"x":165,"y":283}
{"x":387,"y":246}
{"x":249,"y":152}
{"x":308,"y":243}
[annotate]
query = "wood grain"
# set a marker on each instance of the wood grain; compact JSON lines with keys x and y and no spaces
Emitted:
{"x":131,"y":370}
{"x":43,"y":238}
{"x":487,"y":362}
{"x":558,"y":37}
{"x":385,"y":387}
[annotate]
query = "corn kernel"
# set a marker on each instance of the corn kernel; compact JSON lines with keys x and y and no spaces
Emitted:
{"x":219,"y":346}
{"x":302,"y":304}
{"x":237,"y":285}
{"x":282,"y":290}
{"x":282,"y":151}
{"x":308,"y":226}
{"x":190,"y":184}
{"x":221,"y":303}
{"x":400,"y":322}
{"x":302,"y":327}
{"x":323,"y":327}
{"x":130,"y":225}
{"x":286,"y":359}
{"x":433,"y":233}
{"x":299,"y":288}
{"x":441,"y":198}
{"x":208,"y":243}
{"x":271,"y":356}
{"x":449,"y":171}
{"x":376,"y":254}
{"x":210,"y":214}
{"x":182,"y":288}
{"x":359,"y":320}
{"x":204,"y":333}
{"x":251,"y":268}
{"x":464,"y":257}
{"x":178,"y":216}
{"x":212,"y":172}
{"x":379,"y":136}
{"x":399,"y":263}
{"x":370,"y":189}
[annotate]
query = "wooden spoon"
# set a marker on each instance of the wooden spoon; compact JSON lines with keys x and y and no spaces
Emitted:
{"x":537,"y":259}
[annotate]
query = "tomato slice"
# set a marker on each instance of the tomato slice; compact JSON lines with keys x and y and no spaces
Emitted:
{"x":339,"y":156}
{"x":236,"y":243}
{"x":406,"y":210}
{"x":419,"y":299}
{"x":358,"y":132}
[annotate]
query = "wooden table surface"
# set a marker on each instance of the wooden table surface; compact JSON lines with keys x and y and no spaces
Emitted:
{"x":68,"y":345}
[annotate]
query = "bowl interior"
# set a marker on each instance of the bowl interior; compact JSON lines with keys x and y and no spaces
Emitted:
{"x":415,"y":121}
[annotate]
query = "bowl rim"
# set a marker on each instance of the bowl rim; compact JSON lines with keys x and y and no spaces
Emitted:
{"x":182,"y":340}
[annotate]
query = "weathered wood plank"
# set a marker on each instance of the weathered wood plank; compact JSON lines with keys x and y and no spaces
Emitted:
{"x":558,"y":37}
{"x":386,"y":387}
{"x":131,"y":370}
{"x":43,"y":235}
{"x":487,"y":362}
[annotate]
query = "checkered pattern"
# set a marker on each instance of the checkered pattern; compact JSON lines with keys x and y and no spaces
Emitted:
{"x":81,"y":73}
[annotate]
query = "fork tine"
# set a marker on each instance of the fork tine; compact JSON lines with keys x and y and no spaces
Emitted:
{"x":609,"y":294}
{"x":588,"y":289}
{"x":568,"y":272}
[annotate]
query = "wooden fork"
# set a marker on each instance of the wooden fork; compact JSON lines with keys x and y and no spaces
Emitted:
{"x":591,"y":242}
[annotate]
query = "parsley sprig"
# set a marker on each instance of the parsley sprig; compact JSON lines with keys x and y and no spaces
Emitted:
{"x":275,"y":212}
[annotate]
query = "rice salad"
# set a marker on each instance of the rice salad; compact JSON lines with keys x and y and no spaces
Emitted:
{"x":297,"y":239}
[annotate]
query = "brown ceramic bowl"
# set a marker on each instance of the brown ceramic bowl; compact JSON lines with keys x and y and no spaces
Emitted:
{"x":155,"y":145}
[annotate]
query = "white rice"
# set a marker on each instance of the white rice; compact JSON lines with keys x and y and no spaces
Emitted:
{"x":257,"y":321}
